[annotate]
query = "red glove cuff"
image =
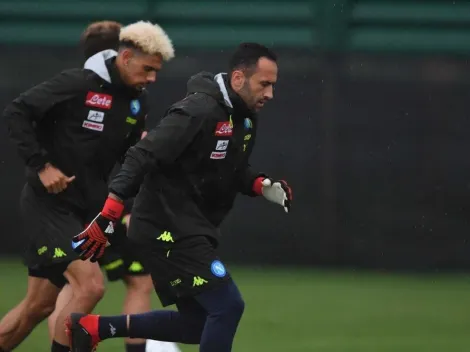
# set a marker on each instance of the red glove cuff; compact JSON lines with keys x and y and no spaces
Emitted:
{"x":258,"y":186}
{"x":112,"y":209}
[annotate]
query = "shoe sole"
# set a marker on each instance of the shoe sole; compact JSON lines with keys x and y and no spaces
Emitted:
{"x":72,"y":325}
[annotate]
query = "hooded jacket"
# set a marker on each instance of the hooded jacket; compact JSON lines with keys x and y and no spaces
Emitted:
{"x":82,"y":121}
{"x":192,"y":165}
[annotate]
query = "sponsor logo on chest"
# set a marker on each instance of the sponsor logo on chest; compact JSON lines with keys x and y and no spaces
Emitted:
{"x":221,"y":145}
{"x":96,"y":116}
{"x":218,"y":155}
{"x":94,"y":126}
{"x":223,"y":129}
{"x":99,"y":100}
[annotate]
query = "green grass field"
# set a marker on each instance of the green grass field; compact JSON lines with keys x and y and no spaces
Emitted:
{"x":292,"y":310}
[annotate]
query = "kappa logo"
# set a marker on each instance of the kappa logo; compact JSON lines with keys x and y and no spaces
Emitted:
{"x":199,"y":281}
{"x":221,"y":145}
{"x":224,"y":129}
{"x":112,"y":329}
{"x":59,"y":253}
{"x":218,"y":155}
{"x":96,"y":116}
{"x":110,"y":228}
{"x":93,"y":126}
{"x":99,"y":100}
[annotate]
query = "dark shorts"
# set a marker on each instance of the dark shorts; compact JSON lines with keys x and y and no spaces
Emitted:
{"x":183,"y":268}
{"x":120,"y":259}
{"x":49,"y":229}
{"x":53,"y":273}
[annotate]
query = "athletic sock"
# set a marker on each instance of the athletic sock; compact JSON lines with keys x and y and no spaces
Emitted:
{"x":135,"y":347}
{"x":165,"y":325}
{"x":57,"y":347}
{"x":112,"y":326}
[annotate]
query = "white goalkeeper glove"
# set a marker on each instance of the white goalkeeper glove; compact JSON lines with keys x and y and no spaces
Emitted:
{"x":277,"y":192}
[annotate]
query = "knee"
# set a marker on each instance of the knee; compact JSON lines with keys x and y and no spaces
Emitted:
{"x":234,"y":301}
{"x":93,"y":291}
{"x":90,"y":290}
{"x":237,"y":306}
{"x":224,"y":301}
{"x":230,"y":308}
{"x":141,"y":286}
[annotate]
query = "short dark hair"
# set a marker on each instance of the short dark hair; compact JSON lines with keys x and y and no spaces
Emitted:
{"x":100,"y":36}
{"x":127,"y":44}
{"x":247,"y":56}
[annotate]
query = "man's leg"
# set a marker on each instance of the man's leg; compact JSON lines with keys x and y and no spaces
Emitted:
{"x":219,"y":310}
{"x":209,"y":319}
{"x":64,"y":298}
{"x":120,"y":262}
{"x":87,"y":285}
{"x":137,"y":300}
{"x":184,"y":325}
{"x":190,"y":269}
{"x":35,"y":307}
{"x":225,"y":308}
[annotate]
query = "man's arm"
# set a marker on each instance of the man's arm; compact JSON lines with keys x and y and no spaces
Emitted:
{"x":31,"y":107}
{"x":164,"y":144}
{"x":135,"y":136}
{"x":254,"y":184}
{"x":246,"y":178}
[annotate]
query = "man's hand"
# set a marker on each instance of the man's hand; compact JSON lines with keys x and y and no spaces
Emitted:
{"x":53,"y":179}
{"x":90,"y":244}
{"x":277,"y":192}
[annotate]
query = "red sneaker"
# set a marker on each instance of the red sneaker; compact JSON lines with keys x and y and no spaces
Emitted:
{"x":83,"y":333}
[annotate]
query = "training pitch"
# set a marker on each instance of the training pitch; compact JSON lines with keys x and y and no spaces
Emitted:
{"x":298,"y":310}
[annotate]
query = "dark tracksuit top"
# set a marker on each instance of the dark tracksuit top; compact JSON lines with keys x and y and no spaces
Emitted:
{"x":190,"y":168}
{"x":82,"y":121}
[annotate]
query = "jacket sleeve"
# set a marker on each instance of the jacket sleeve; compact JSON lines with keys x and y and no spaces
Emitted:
{"x":245,"y":180}
{"x":163,"y":144}
{"x":133,"y":138}
{"x":128,"y":204}
{"x":31,"y":107}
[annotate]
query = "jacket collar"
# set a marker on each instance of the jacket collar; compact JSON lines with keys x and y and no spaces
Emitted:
{"x":104,"y":65}
{"x":232,"y":100}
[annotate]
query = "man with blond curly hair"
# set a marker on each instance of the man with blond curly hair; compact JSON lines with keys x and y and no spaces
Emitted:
{"x":119,"y":262}
{"x":70,"y":131}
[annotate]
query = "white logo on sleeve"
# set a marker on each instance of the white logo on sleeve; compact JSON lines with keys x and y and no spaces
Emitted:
{"x":96,"y":116}
{"x":110,"y":228}
{"x":221,"y":145}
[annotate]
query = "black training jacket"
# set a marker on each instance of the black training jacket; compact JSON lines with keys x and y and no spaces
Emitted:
{"x":192,"y":165}
{"x":82,"y":121}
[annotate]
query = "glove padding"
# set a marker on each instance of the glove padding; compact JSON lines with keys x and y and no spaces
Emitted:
{"x":91,"y":243}
{"x":277,"y":192}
